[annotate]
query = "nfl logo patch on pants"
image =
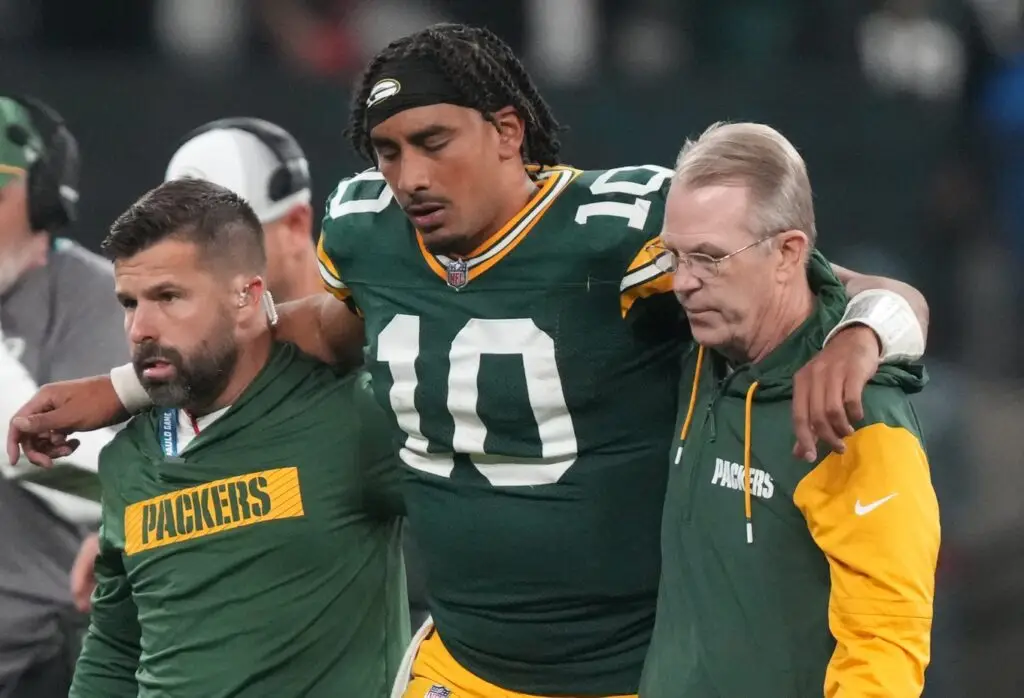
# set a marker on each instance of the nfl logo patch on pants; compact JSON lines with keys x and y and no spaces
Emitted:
{"x":438,"y":691}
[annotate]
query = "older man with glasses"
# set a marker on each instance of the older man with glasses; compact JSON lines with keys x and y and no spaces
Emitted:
{"x":780,"y":577}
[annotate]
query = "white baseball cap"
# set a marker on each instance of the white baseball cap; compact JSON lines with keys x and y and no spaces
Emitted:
{"x":238,"y":160}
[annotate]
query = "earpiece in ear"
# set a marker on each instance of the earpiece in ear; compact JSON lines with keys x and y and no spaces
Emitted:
{"x":269,"y":308}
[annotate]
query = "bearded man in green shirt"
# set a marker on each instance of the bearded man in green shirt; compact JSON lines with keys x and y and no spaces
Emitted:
{"x":250,"y":543}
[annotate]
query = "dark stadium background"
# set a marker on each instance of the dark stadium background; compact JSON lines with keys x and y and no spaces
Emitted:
{"x":909,"y":112}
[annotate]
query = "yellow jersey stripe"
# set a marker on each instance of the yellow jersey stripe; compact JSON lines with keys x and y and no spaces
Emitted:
{"x":434,"y":666}
{"x":332,"y":285}
{"x":649,"y":281}
{"x":432,"y":262}
{"x":640,"y":276}
{"x":326,"y":265}
{"x":873,"y":512}
{"x":555,"y":181}
{"x":492,"y":242}
{"x":643,"y":278}
{"x":329,"y":273}
{"x":11,"y":169}
{"x":647,"y":254}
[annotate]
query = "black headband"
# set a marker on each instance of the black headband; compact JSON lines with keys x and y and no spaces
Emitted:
{"x":407,"y":83}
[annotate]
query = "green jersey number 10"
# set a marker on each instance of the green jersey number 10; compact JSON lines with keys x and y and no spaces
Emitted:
{"x":398,"y":346}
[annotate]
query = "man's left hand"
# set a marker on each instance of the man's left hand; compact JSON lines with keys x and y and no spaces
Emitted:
{"x":827,"y":391}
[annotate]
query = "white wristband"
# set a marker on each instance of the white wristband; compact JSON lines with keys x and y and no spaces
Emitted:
{"x":129,"y":389}
{"x":890,"y":316}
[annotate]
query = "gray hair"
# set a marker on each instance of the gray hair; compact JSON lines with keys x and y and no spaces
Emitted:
{"x":760,"y":158}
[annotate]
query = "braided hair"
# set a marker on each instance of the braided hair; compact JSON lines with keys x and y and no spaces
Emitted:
{"x":483,"y":69}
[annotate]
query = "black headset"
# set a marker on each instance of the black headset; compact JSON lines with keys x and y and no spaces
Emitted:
{"x":53,"y":178}
{"x":291,"y":176}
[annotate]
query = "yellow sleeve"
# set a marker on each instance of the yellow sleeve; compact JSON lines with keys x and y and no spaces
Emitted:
{"x":329,"y":273}
{"x":874,"y":514}
{"x":643,"y":279}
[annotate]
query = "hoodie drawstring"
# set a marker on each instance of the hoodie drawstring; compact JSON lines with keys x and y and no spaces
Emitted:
{"x":747,"y":419}
{"x":693,"y":402}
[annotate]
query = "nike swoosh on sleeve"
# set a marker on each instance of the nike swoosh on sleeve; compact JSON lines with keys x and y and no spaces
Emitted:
{"x":862,"y":509}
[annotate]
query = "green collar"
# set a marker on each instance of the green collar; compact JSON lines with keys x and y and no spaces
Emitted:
{"x":273,"y":384}
{"x":774,"y":374}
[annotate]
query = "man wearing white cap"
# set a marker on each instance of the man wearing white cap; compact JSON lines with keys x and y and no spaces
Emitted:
{"x":262,"y":163}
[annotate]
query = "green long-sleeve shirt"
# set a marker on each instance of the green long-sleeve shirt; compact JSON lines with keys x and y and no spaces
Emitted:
{"x":263,"y":560}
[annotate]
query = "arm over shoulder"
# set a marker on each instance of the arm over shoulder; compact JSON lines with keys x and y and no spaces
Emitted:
{"x":874,"y":514}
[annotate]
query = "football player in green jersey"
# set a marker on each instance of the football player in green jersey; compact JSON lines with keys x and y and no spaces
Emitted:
{"x":527,"y":348}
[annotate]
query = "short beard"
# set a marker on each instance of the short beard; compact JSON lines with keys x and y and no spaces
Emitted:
{"x":451,"y":245}
{"x":199,"y":379}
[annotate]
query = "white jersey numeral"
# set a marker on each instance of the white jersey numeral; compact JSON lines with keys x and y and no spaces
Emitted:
{"x":398,"y":346}
{"x":338,"y":208}
{"x":636,"y":212}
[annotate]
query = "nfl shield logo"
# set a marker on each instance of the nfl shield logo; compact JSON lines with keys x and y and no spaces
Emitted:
{"x":458,"y":277}
{"x":438,"y":691}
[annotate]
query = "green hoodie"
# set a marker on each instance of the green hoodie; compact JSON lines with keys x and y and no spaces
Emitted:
{"x":263,"y":559}
{"x":781,"y":578}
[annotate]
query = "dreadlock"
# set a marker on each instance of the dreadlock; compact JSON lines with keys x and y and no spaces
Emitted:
{"x":484,"y":70}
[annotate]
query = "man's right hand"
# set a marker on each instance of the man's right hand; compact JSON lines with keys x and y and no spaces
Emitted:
{"x":83,"y":573}
{"x":41,"y":427}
